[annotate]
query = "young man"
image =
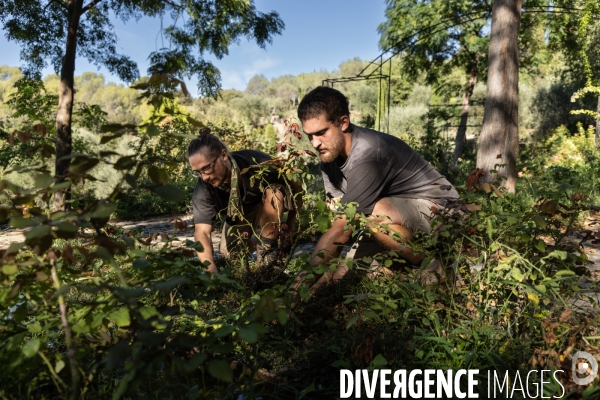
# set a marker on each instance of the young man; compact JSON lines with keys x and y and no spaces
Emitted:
{"x":228,"y":183}
{"x":391,"y":182}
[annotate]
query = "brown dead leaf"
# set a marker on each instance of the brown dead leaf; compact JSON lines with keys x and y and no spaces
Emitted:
{"x":565,"y":316}
{"x":472,"y":207}
{"x":474,"y":178}
{"x":41,"y":129}
{"x":498,"y":193}
{"x":470,"y":306}
{"x":24,"y":136}
{"x":67,"y":254}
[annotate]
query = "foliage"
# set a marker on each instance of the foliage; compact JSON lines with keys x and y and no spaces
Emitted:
{"x":95,"y":327}
{"x":453,"y":36}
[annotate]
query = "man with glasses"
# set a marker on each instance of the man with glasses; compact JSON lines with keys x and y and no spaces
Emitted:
{"x":253,"y":200}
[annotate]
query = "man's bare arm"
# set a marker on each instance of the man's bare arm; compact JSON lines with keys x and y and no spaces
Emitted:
{"x":202,"y":235}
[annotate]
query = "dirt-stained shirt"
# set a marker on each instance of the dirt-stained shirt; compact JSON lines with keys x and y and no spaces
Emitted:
{"x":208,"y":201}
{"x":379,"y":166}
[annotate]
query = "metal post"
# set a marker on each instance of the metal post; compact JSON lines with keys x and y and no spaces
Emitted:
{"x":597,"y":137}
{"x":389,"y":96}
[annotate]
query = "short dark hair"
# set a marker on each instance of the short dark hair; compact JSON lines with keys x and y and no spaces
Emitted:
{"x":326,"y":101}
{"x":206,"y":140}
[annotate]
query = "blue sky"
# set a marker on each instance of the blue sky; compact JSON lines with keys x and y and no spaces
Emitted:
{"x":319,"y":34}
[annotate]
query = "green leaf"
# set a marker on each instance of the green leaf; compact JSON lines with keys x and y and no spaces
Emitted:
{"x":248,"y":335}
{"x":224,"y":331}
{"x":540,"y":245}
{"x":560,"y":254}
{"x":195,"y":123}
{"x":350,"y":213}
{"x":152,"y":130}
{"x":517,"y":274}
{"x":120,"y":317}
{"x":321,"y":206}
{"x":35,"y":327}
{"x":303,"y":291}
{"x":20,"y":222}
{"x":323,"y":223}
{"x":80,"y":165}
{"x":43,"y":180}
{"x":170,"y":284}
{"x":540,"y":288}
{"x":352,"y":321}
{"x":170,"y":193}
{"x":306,"y":391}
{"x":220,"y":369}
{"x":107,"y":138}
{"x":60,"y":364}
{"x":31,"y":348}
{"x":9,"y":269}
{"x":37,"y":232}
{"x":282,"y":316}
{"x":540,"y":221}
{"x":184,"y":135}
{"x":61,"y":186}
{"x":564,"y":272}
{"x":149,"y":312}
{"x":126,"y":162}
{"x":15,"y":247}
{"x":379,"y":361}
{"x":158,"y":175}
{"x":104,"y":210}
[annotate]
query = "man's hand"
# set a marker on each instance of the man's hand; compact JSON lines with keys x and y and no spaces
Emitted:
{"x":202,"y":235}
{"x":331,"y":203}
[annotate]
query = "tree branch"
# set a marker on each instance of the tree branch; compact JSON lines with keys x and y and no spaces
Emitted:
{"x":91,"y":5}
{"x":177,"y":6}
{"x":57,"y":2}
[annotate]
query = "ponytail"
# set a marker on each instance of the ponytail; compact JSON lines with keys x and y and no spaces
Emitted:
{"x":206,"y":140}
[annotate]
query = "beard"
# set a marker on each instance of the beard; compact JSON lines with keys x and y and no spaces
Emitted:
{"x":333,"y":150}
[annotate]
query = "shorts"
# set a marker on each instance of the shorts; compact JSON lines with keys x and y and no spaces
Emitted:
{"x":235,"y":235}
{"x":417,"y":215}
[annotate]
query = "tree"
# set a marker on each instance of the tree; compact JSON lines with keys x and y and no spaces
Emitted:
{"x":499,"y":139}
{"x":454,"y":36}
{"x":257,"y":85}
{"x":59,"y":30}
{"x":577,"y":36}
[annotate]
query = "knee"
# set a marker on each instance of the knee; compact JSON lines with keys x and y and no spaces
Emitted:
{"x":384,"y":212}
{"x":273,"y":198}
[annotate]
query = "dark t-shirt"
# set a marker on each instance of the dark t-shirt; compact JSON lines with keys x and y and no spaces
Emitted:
{"x":208,"y":201}
{"x":381,"y":165}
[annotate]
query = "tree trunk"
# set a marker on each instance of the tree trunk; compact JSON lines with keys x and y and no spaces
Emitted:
{"x":499,"y":139}
{"x":65,"y":104}
{"x":459,"y":142}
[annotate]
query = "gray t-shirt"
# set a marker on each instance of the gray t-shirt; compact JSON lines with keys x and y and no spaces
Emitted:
{"x":379,"y":166}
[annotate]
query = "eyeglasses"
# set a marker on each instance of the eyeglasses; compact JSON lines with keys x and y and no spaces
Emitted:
{"x":207,"y":169}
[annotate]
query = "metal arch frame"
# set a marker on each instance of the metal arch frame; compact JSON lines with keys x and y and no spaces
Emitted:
{"x":407,"y":41}
{"x":380,"y":77}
